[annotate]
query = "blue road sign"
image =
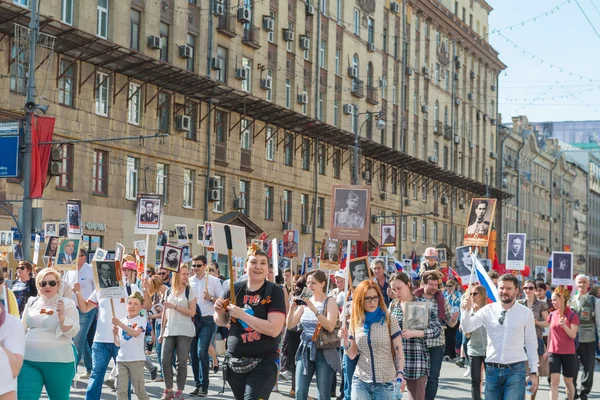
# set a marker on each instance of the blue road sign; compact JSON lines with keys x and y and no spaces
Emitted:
{"x":9,"y":156}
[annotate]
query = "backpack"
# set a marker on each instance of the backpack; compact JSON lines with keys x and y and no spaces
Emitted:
{"x":197,"y":318}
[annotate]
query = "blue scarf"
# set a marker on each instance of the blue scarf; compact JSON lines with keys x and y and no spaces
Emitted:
{"x":371,"y":317}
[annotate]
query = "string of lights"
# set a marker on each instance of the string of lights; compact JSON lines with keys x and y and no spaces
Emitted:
{"x":532,"y":19}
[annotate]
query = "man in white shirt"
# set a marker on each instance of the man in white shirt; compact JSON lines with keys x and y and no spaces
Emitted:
{"x":511,"y":341}
{"x":85,"y":277}
{"x":208,"y":289}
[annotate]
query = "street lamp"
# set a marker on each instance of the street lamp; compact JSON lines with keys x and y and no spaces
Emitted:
{"x":380,"y":125}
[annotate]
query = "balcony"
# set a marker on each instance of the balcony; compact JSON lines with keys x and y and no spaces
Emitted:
{"x":226,"y":24}
{"x":372,"y":95}
{"x":246,"y":160}
{"x":438,"y":128}
{"x":447,"y":132}
{"x":358,"y":88}
{"x":251,"y":36}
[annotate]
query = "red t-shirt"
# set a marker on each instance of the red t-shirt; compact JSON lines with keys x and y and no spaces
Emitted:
{"x":560,"y":342}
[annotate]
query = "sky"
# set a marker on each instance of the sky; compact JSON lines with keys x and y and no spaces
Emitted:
{"x":535,"y":52}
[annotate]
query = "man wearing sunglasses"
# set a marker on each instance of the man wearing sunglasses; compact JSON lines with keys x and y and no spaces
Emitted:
{"x":511,"y":340}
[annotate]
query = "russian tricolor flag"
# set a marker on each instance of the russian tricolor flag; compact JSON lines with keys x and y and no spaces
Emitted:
{"x":484,"y":279}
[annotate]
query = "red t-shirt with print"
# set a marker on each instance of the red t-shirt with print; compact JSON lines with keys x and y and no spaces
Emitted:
{"x":560,"y":342}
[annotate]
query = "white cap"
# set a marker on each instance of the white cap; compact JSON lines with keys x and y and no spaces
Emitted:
{"x":340,"y":274}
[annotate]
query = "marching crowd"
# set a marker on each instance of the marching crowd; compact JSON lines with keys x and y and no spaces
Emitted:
{"x":388,"y":335}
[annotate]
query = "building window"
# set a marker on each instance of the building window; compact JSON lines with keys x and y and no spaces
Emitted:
{"x":385,"y":40}
{"x":403,"y":228}
{"x":321,"y":108}
{"x":102,"y":27}
{"x":65,"y":83}
{"x":323,"y":54}
{"x":18,"y":77}
{"x":339,"y":11}
{"x":100,"y":173}
{"x":356,"y":21}
{"x":134,"y":29}
{"x":336,"y":112}
{"x":270,"y":91}
{"x":337,"y":166}
{"x":321,"y":212}
{"x":271,"y":139}
{"x":305,"y":105}
{"x":247,"y":83}
{"x":191,"y":42}
{"x":64,"y":180}
{"x":434,"y":233}
{"x":322,"y":159}
{"x":370,"y":30}
{"x":24,"y":3}
{"x":289,"y":45}
{"x":246,"y":135}
{"x":164,"y":36}
{"x":131,"y":182}
{"x":162,"y":181}
{"x":287,"y":206}
{"x":424,"y":192}
{"x":306,"y":154}
{"x":269,"y":194}
{"x":191,"y":110}
{"x":102,"y":85}
{"x":164,"y":112}
{"x":245,"y":197}
{"x":135,"y":105}
{"x":394,"y":181}
{"x":289,"y":150}
{"x":271,"y":34}
{"x":218,"y":205}
{"x":304,"y":209}
{"x":222,"y":73}
{"x":67,"y":12}
{"x":188,"y":188}
{"x":288,"y":92}
{"x":424,"y":231}
{"x":414,"y":229}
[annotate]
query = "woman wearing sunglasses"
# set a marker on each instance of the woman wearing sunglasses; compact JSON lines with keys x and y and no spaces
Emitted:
{"x":476,"y":347}
{"x":24,"y":287}
{"x":376,"y":337}
{"x":50,"y":322}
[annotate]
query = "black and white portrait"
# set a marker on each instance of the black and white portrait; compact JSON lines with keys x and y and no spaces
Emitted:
{"x":540,"y":272}
{"x":417,"y":315}
{"x":208,"y":235}
{"x":6,"y":239}
{"x":148,"y":214}
{"x":50,"y":229}
{"x":515,"y":251}
{"x":51,"y":247}
{"x":17,"y":252}
{"x":442,"y":256}
{"x":200,"y":234}
{"x":107,"y":274}
{"x":100,"y":254}
{"x":562,"y":268}
{"x":388,"y":235}
{"x":171,"y":258}
{"x":331,"y":252}
{"x":284,"y":263}
{"x":74,"y":217}
{"x":186,"y":253}
{"x":350,"y":215}
{"x":486,"y":263}
{"x":140,"y":246}
{"x":162,"y":238}
{"x":479,"y":222}
{"x":359,"y":270}
{"x":62,"y":229}
{"x":464,"y":262}
{"x":119,"y":252}
{"x":181,"y":232}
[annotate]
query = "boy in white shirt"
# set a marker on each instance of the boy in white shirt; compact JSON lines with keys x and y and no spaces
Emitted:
{"x":131,"y":356}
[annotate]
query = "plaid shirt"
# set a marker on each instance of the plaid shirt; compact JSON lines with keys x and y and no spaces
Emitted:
{"x":416,"y":355}
{"x":441,"y":339}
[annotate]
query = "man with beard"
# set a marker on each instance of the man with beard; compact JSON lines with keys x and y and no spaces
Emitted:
{"x":511,"y":340}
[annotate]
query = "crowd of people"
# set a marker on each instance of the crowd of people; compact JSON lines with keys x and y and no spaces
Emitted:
{"x":389,"y":334}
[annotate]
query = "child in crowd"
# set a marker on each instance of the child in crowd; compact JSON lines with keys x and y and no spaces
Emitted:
{"x":130,"y":360}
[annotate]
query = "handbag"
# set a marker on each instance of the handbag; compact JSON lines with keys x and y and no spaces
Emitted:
{"x":323,"y":338}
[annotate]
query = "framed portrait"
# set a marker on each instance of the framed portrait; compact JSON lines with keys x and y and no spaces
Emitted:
{"x":100,"y":254}
{"x":108,"y":280}
{"x":17,"y":252}
{"x":464,"y":263}
{"x":200,"y":234}
{"x":284,"y":262}
{"x":119,"y":252}
{"x":162,"y":238}
{"x":181,"y":232}
{"x":110,"y":255}
{"x":186,"y":253}
{"x":359,"y":271}
{"x":208,"y":235}
{"x":486,"y":263}
{"x":6,"y":241}
{"x":148,"y":214}
{"x":308,"y":264}
{"x":171,"y":258}
{"x":387,"y":233}
{"x":407,"y":265}
{"x":541,"y":272}
{"x":350,"y":216}
{"x":68,"y":250}
{"x":562,"y":268}
{"x":140,"y":246}
{"x":515,"y":251}
{"x":51,"y":247}
{"x":63,"y":229}
{"x":479,"y":222}
{"x":330,"y":254}
{"x":74,"y":218}
{"x":290,"y":243}
{"x":50,"y":229}
{"x":417,"y":315}
{"x":258,"y":242}
{"x":442,"y":256}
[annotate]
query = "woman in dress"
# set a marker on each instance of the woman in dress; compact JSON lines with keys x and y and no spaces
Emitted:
{"x":51,"y":322}
{"x":24,"y":287}
{"x":477,"y":345}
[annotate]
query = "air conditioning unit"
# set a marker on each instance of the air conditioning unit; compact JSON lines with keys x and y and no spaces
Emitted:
{"x":239,"y":203}
{"x":444,"y":200}
{"x":472,"y":74}
{"x":433,"y":159}
{"x":288,"y":35}
{"x":456,"y":139}
{"x":493,"y":155}
{"x":348,"y":109}
{"x":154,"y":42}
{"x":424,"y":108}
{"x":493,"y":121}
{"x":219,"y":9}
{"x":367,"y":176}
{"x":310,"y":9}
{"x":267,"y":83}
{"x":186,"y":51}
{"x":303,"y":98}
{"x":395,"y":7}
{"x":383,"y":195}
{"x":470,"y":96}
{"x":268,"y":23}
{"x":216,"y":63}
{"x":457,"y":101}
{"x":471,"y":145}
{"x":287,"y":226}
{"x":241,"y":73}
{"x":456,"y":76}
{"x":371,"y":47}
{"x":55,"y":168}
{"x":214,"y":195}
{"x":425,"y":70}
{"x":306,"y":229}
{"x":410,"y":70}
{"x":304,"y":42}
{"x":493,"y":88}
{"x":353,"y":72}
{"x":243,"y":14}
{"x":407,"y":202}
{"x":183,"y":123}
{"x":214,"y":183}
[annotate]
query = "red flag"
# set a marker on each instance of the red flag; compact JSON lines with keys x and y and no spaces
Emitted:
{"x":263,"y":237}
{"x":495,"y":263}
{"x":457,"y":277}
{"x":41,"y":131}
{"x":376,"y":252}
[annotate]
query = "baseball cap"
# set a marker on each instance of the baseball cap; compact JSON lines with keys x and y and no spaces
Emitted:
{"x":340,"y":274}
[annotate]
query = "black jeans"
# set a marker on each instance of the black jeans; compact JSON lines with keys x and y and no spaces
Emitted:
{"x":585,"y":356}
{"x":476,"y":363}
{"x":256,"y":384}
{"x":451,"y":341}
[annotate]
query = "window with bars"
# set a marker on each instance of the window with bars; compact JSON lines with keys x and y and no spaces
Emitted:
{"x":245,"y":196}
{"x":287,"y":206}
{"x":131,"y":180}
{"x":162,"y":181}
{"x":65,"y":83}
{"x":304,"y":215}
{"x":269,"y":194}
{"x":65,"y":179}
{"x":321,"y":212}
{"x":188,"y":188}
{"x":100,"y":173}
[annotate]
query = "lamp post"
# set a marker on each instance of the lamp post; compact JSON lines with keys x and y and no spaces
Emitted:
{"x":380,"y":125}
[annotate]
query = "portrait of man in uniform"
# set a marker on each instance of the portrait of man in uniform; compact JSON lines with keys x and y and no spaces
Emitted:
{"x":388,"y":235}
{"x":479,"y":222}
{"x":148,"y":216}
{"x":350,"y":213}
{"x":290,"y":244}
{"x":480,"y":226}
{"x":331,"y":251}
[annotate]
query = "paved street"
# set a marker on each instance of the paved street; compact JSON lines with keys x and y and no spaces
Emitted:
{"x":452,"y":386}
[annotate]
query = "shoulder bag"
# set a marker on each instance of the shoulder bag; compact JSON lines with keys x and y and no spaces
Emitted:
{"x":322,"y":337}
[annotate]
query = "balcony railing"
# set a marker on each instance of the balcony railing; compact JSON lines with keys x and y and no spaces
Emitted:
{"x":438,"y":128}
{"x":226,"y":24}
{"x":251,"y":36}
{"x":358,"y":88}
{"x":372,"y":95}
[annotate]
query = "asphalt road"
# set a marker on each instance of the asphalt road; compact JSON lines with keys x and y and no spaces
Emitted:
{"x":452,"y":386}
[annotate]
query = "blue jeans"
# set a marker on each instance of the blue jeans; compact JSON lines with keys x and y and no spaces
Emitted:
{"x":101,"y":355}
{"x":324,"y":375}
{"x":81,"y":342}
{"x":348,"y":368}
{"x":199,"y":351}
{"x":437,"y":355}
{"x":375,"y":391}
{"x":506,"y":383}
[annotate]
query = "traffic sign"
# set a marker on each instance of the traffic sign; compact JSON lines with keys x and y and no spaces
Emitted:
{"x":9,"y":156}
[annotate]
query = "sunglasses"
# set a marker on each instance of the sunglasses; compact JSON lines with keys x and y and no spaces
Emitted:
{"x":21,"y":268}
{"x":528,"y":288}
{"x":502,"y":317}
{"x":46,"y":283}
{"x":198,"y":265}
{"x":373,"y":299}
{"x":163,"y":273}
{"x":148,"y":272}
{"x":475,"y":294}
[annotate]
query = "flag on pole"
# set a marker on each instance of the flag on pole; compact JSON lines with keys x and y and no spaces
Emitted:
{"x":485,"y":280}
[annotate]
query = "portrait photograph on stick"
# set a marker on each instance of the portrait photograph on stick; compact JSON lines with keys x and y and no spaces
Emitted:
{"x":148,"y":214}
{"x":63,"y":230}
{"x":388,"y":235}
{"x":119,"y":252}
{"x":479,"y":222}
{"x":442,"y":256}
{"x":350,"y":216}
{"x":107,"y":278}
{"x":140,"y":246}
{"x":68,"y":250}
{"x":331,"y":252}
{"x":562,"y":268}
{"x":74,"y":218}
{"x":200,"y":234}
{"x":17,"y":252}
{"x":50,"y":229}
{"x":464,"y":264}
{"x":290,"y":243}
{"x":171,"y":258}
{"x":162,"y":238}
{"x":359,"y":271}
{"x":186,"y":252}
{"x":208,"y":235}
{"x":515,"y":251}
{"x":181,"y":232}
{"x":541,"y":272}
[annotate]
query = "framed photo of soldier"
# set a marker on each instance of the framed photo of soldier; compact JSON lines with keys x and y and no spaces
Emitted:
{"x":74,"y":218}
{"x":515,"y":251}
{"x":181,"y":232}
{"x":68,"y":250}
{"x":50,"y":229}
{"x":541,"y":272}
{"x":388,"y":235}
{"x":442,"y":256}
{"x":350,"y":216}
{"x":171,"y":258}
{"x":148,"y":214}
{"x":290,"y":243}
{"x":562,"y":268}
{"x":359,"y":271}
{"x":200,"y":234}
{"x":63,"y":230}
{"x":331,"y":252}
{"x":107,"y":278}
{"x":186,"y":252}
{"x":479,"y":222}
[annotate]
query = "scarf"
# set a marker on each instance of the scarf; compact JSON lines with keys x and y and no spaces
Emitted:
{"x":371,"y":317}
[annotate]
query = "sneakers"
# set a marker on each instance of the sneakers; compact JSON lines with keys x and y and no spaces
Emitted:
{"x":154,"y":373}
{"x":195,"y":392}
{"x":86,"y":375}
{"x":178,"y":395}
{"x":446,"y":358}
{"x":167,"y":395}
{"x":275,"y":389}
{"x":467,"y":372}
{"x":203,"y":392}
{"x":285,"y":375}
{"x":460,"y":362}
{"x":110,"y":383}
